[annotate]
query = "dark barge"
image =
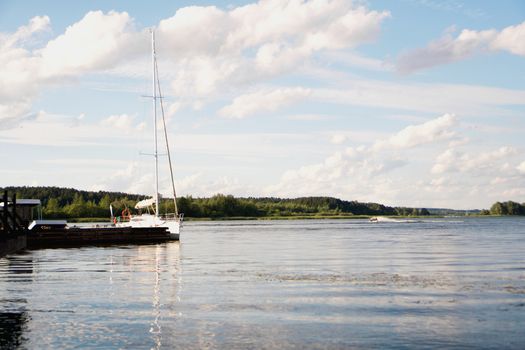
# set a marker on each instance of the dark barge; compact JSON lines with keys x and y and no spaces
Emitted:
{"x":76,"y":236}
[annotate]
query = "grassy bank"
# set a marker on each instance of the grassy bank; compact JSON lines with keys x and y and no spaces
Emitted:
{"x":234,"y":218}
{"x":274,"y":217}
{"x":296,"y":217}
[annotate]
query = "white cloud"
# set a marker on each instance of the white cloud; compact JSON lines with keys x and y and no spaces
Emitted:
{"x":482,"y":162}
{"x":423,"y":97}
{"x":95,"y":42}
{"x":26,"y":33}
{"x":366,"y":172}
{"x":515,"y":192}
{"x":209,"y":28}
{"x":18,"y":76}
{"x":200,"y":186}
{"x":454,"y":6}
{"x":133,"y":179}
{"x":309,"y":117}
{"x":14,"y":112}
{"x":338,"y":139}
{"x":282,"y":34}
{"x":354,"y":136}
{"x":468,"y":43}
{"x":130,"y":179}
{"x":415,"y":135}
{"x":84,"y":162}
{"x":228,"y":48}
{"x":172,"y":109}
{"x":263,"y":101}
{"x":511,"y":39}
{"x":311,"y":25}
{"x":521,"y":167}
{"x":352,"y":59}
{"x":445,"y":50}
{"x":61,"y":130}
{"x":202,"y":76}
{"x":340,"y":176}
{"x":121,"y":121}
{"x":499,"y":180}
{"x":384,"y":170}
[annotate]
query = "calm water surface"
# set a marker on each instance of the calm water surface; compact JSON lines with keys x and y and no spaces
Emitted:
{"x":446,"y":283}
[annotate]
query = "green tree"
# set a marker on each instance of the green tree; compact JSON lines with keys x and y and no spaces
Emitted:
{"x":105,"y":202}
{"x":424,"y":211}
{"x":52,"y":209}
{"x":507,"y":208}
{"x":78,"y":208}
{"x":498,"y":209}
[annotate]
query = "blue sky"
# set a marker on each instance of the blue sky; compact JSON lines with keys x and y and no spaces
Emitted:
{"x":413,"y":102}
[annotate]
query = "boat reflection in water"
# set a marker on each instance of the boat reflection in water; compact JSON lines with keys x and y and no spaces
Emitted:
{"x":96,"y":297}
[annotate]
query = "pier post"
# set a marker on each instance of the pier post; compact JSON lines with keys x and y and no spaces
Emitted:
{"x":12,"y":234}
{"x":5,"y":227}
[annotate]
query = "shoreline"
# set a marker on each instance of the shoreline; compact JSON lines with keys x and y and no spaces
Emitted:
{"x":296,"y":217}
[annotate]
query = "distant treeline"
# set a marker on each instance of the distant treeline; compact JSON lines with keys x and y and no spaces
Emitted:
{"x":229,"y":206}
{"x":453,"y":212}
{"x":71,"y":203}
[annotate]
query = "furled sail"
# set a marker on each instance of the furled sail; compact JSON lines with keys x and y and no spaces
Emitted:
{"x":146,"y":203}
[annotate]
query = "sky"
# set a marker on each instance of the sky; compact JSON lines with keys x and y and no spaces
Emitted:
{"x":406,"y":103}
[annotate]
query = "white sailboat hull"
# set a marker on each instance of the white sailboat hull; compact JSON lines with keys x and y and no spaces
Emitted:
{"x":148,"y":220}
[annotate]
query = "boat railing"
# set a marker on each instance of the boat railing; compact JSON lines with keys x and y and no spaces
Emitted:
{"x":173,"y":216}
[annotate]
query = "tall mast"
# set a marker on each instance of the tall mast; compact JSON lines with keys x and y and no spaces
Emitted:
{"x":155,"y":153}
{"x":167,"y":143}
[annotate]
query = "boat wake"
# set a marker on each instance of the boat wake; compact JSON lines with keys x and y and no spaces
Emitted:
{"x":385,"y":219}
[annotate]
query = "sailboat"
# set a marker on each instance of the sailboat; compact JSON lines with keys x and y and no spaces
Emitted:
{"x":149,"y":209}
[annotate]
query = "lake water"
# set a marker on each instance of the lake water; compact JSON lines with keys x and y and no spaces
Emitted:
{"x":330,"y":284}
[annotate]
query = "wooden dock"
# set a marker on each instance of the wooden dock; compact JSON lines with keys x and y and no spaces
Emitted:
{"x":12,"y":244}
{"x":75,"y":236}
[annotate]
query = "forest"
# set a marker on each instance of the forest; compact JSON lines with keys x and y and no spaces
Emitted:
{"x":70,"y":203}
